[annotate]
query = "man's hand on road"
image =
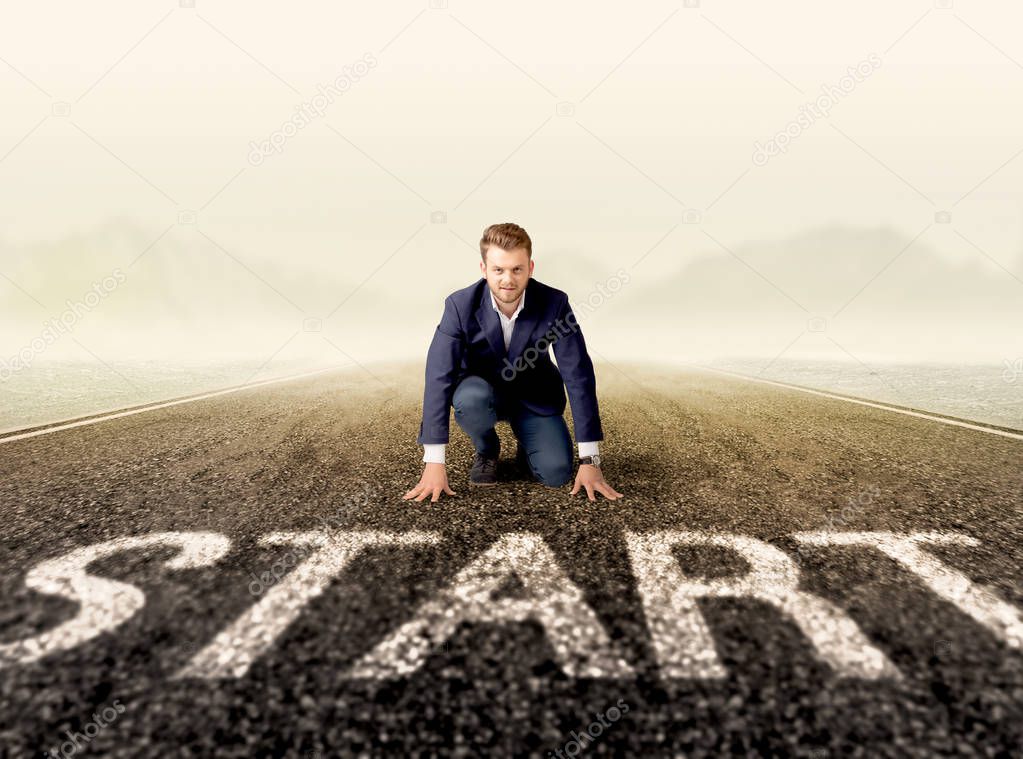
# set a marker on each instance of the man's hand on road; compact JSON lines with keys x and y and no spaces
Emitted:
{"x":591,"y":478}
{"x":433,"y":481}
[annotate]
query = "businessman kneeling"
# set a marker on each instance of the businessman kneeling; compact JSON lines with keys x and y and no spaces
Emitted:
{"x":490,"y":360}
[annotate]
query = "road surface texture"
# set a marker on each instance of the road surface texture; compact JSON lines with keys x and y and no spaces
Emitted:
{"x":787,"y":574}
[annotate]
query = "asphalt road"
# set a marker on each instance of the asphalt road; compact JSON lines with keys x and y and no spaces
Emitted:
{"x":365,"y":648}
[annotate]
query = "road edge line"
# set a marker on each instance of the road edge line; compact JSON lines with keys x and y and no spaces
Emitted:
{"x":36,"y":431}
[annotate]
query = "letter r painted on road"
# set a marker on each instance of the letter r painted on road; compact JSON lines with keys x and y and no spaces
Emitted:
{"x":682,"y":641}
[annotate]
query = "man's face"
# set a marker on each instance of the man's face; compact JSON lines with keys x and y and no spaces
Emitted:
{"x":507,"y":272}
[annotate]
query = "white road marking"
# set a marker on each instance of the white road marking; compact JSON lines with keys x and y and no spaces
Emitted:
{"x":975,"y":600}
{"x":105,"y":604}
{"x":872,"y":404}
{"x":164,"y":404}
{"x":682,"y":641}
{"x":235,"y":648}
{"x":580,"y":643}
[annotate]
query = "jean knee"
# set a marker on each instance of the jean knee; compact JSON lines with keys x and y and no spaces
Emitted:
{"x":555,"y":475}
{"x":473,"y":394}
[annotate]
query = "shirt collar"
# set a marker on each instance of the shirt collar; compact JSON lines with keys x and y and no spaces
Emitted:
{"x":522,"y":302}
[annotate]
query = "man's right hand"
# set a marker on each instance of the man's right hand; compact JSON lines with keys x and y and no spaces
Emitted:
{"x":433,"y":481}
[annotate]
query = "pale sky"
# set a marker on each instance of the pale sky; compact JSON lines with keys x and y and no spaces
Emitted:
{"x":889,"y":229}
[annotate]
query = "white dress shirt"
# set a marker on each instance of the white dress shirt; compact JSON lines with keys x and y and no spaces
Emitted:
{"x":434,"y":452}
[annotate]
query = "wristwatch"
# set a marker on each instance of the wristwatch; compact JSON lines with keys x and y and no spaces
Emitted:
{"x":594,"y":459}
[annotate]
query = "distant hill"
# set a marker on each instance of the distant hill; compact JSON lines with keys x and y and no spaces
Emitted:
{"x":186,"y":296}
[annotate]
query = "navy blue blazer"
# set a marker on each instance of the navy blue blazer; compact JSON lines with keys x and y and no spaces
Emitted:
{"x":468,"y":341}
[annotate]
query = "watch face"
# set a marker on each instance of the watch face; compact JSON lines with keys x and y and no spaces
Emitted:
{"x":595,"y":460}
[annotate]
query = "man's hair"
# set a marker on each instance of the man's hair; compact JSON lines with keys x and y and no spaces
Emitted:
{"x":507,"y":236}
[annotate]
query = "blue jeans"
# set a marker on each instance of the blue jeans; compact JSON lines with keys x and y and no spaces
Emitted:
{"x":544,"y":439}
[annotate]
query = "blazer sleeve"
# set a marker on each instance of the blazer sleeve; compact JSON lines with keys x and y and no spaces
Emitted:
{"x":576,"y":370}
{"x":443,"y":361}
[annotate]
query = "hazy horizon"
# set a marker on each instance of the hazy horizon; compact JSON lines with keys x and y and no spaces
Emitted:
{"x":890,"y":230}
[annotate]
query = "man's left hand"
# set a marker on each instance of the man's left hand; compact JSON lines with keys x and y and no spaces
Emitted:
{"x":591,"y":478}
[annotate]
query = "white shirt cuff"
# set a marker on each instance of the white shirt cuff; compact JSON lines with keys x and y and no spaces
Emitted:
{"x":433,"y":453}
{"x":588,"y":449}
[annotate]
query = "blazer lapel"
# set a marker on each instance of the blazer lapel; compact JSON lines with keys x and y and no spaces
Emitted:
{"x":525,"y":323}
{"x":491,"y":324}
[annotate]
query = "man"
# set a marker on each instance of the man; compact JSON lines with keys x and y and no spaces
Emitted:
{"x":490,"y":360}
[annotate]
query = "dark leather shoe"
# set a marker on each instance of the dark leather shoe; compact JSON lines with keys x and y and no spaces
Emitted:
{"x":484,"y":470}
